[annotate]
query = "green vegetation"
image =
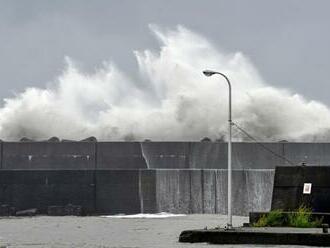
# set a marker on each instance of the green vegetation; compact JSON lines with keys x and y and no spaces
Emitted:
{"x":273,"y":218}
{"x":302,"y":217}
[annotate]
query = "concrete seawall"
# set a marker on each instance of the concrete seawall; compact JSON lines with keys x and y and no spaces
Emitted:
{"x":156,"y":155}
{"x":134,"y":177}
{"x":138,"y":191}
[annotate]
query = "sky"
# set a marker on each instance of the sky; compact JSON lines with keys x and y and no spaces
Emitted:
{"x":287,"y":40}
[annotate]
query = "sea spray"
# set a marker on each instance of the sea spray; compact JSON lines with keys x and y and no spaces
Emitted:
{"x":171,"y":100}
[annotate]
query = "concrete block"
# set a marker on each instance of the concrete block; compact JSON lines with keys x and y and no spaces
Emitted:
{"x":208,"y":155}
{"x":167,"y":188}
{"x":286,"y":198}
{"x":40,"y":189}
{"x":184,"y":192}
{"x":117,"y":192}
{"x":7,"y":210}
{"x":167,"y":155}
{"x":255,"y":236}
{"x":173,"y":191}
{"x":73,"y":210}
{"x":259,"y":185}
{"x":196,"y":191}
{"x":288,"y":176}
{"x":239,"y":193}
{"x":56,"y":211}
{"x":120,"y":155}
{"x":48,"y":155}
{"x":254,"y":156}
{"x":147,"y":191}
{"x":1,"y":147}
{"x":288,"y":188}
{"x":320,"y":199}
{"x":310,"y":153}
{"x":214,"y":155}
{"x":209,"y":191}
{"x":221,"y":191}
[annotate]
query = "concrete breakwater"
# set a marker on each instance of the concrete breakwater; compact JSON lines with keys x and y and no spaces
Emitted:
{"x":134,"y":177}
{"x":156,"y":155}
{"x":137,"y":191}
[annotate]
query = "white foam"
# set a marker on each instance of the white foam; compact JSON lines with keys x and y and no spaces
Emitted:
{"x":161,"y":215}
{"x":170,"y":100}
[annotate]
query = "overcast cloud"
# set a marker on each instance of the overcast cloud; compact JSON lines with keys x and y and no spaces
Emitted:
{"x":287,"y":40}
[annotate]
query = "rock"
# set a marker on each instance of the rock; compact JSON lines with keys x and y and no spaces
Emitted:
{"x":27,"y":212}
{"x":7,"y":210}
{"x":74,"y":210}
{"x":56,"y":210}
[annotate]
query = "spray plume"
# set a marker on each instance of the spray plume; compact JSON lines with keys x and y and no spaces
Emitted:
{"x":171,"y":100}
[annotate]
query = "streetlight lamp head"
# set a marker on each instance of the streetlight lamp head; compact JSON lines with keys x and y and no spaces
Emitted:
{"x":209,"y":73}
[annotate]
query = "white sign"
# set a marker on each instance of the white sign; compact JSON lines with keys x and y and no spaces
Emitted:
{"x":307,"y":188}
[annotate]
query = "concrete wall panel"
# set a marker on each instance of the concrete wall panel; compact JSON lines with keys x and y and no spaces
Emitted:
{"x":120,"y":155}
{"x":167,"y":182}
{"x":117,"y":191}
{"x":40,"y":189}
{"x":184,"y":192}
{"x":310,"y":153}
{"x":134,"y":191}
{"x":254,"y":156}
{"x":173,"y":191}
{"x":221,"y":191}
{"x":239,"y":193}
{"x":208,"y":155}
{"x":209,"y":191}
{"x":48,"y":155}
{"x":196,"y":191}
{"x":166,"y":155}
{"x":147,"y":191}
{"x":288,"y":194}
{"x":1,"y":147}
{"x":259,"y":185}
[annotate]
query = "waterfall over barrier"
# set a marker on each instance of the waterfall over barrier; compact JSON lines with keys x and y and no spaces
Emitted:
{"x":205,"y":191}
{"x":147,"y":177}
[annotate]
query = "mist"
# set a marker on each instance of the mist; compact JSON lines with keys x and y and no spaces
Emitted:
{"x":170,"y":100}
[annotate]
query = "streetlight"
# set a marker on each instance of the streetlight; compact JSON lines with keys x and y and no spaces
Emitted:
{"x":209,"y":73}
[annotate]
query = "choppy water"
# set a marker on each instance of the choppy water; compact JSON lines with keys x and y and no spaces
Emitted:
{"x":92,"y":232}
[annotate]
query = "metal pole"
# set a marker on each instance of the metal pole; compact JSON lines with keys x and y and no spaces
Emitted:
{"x":230,"y":219}
{"x":229,"y":207}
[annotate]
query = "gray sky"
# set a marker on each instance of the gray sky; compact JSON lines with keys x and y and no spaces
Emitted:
{"x":287,"y":40}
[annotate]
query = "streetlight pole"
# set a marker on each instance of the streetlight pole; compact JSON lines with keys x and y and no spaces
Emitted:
{"x":209,"y":73}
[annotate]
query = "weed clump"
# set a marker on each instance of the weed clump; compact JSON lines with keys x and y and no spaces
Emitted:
{"x":273,"y":218}
{"x":302,"y":217}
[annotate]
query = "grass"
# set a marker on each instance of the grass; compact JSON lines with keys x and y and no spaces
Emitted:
{"x":302,"y":217}
{"x":273,"y":218}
